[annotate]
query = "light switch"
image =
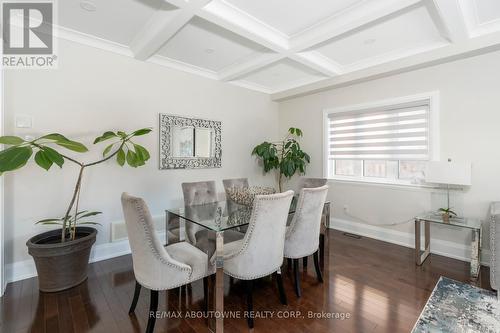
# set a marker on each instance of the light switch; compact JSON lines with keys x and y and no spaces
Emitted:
{"x":24,"y":121}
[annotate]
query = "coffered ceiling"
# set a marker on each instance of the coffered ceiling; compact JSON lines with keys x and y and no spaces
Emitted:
{"x":285,"y":47}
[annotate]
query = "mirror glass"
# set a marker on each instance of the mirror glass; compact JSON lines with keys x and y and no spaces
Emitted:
{"x":189,"y":141}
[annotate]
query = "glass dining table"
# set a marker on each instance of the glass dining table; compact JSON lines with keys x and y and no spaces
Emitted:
{"x":218,"y":218}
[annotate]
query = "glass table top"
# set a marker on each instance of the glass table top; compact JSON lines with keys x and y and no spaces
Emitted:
{"x":220,"y":215}
{"x":463,"y":222}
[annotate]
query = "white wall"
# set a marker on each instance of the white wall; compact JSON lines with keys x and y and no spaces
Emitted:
{"x":93,"y":91}
{"x":469,"y":130}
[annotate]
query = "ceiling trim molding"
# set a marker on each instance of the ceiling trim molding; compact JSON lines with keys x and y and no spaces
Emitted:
{"x":252,"y":86}
{"x":240,"y":69}
{"x":182,"y":66}
{"x":92,"y":41}
{"x":452,"y":52}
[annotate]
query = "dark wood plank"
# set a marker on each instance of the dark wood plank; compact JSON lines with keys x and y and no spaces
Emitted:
{"x":376,"y":283}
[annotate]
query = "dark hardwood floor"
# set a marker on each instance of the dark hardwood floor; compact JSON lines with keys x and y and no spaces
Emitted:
{"x":375,"y":283}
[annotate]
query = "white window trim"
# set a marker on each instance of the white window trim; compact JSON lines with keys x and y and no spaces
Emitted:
{"x":434,"y":110}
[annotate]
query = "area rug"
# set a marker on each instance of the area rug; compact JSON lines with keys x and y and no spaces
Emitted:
{"x":456,"y":307}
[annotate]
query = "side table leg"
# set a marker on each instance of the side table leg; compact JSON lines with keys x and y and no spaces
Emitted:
{"x":419,"y":255}
{"x":475,"y":263}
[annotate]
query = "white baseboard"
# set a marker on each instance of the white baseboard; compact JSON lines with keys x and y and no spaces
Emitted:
{"x":440,"y":247}
{"x":26,"y":269}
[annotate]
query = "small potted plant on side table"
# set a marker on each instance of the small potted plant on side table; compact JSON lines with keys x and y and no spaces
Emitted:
{"x":446,"y":214}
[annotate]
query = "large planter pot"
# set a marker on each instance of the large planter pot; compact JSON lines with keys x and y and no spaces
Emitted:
{"x":61,"y":265}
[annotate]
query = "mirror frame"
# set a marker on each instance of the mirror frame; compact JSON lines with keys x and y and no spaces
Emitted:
{"x":167,"y":161}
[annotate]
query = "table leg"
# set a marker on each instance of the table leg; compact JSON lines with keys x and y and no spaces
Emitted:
{"x":182,"y":230}
{"x":475,"y":264}
{"x":219,"y":282}
{"x":167,"y":220}
{"x":419,"y":255}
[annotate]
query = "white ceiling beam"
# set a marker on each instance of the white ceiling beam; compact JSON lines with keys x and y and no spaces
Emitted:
{"x":230,"y":18}
{"x":356,"y":18}
{"x":162,"y":26}
{"x":452,"y":52}
{"x":447,"y":17}
{"x":318,"y":62}
{"x":238,"y":70}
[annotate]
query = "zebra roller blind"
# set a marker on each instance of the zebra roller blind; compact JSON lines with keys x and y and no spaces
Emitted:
{"x":389,"y":133}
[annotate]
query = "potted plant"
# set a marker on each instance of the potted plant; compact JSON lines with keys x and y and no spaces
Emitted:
{"x":446,"y":214}
{"x":286,"y":156}
{"x":61,"y":256}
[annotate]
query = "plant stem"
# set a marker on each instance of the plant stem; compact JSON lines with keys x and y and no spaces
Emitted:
{"x":73,"y":199}
{"x":77,"y":190}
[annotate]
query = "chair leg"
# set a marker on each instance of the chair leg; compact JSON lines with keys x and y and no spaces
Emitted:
{"x":304,"y":263}
{"x":297,"y":277}
{"x":281,"y":289}
{"x":136,"y":297}
{"x":322,"y":246}
{"x":205,"y":294}
{"x":153,"y":307}
{"x":316,"y":265}
{"x":249,"y":290}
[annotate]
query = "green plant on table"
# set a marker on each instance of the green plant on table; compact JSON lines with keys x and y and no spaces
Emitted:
{"x":285,"y":156}
{"x":20,"y":152}
{"x":447,"y":211}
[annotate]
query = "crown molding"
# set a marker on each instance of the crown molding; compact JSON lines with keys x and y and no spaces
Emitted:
{"x":182,"y":66}
{"x":92,"y":41}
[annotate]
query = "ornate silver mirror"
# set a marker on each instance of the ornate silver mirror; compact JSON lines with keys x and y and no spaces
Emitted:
{"x":189,"y":143}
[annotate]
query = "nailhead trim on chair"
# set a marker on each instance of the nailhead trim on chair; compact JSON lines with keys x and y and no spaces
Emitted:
{"x":149,"y":239}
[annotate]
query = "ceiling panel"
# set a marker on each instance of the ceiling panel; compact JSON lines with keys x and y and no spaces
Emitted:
{"x":291,"y":16}
{"x":115,"y":20}
{"x":206,"y":45}
{"x":487,"y":10}
{"x":282,"y":73}
{"x":413,"y":31}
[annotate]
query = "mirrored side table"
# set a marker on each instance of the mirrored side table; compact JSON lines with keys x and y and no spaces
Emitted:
{"x":474,"y":225}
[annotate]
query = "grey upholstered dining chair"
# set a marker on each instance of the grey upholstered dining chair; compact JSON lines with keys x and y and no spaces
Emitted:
{"x":260,"y":252}
{"x":495,"y":247}
{"x":305,"y":182}
{"x":235,"y":182}
{"x":302,"y":235}
{"x":203,"y":193}
{"x":198,"y":193}
{"x":157,"y":267}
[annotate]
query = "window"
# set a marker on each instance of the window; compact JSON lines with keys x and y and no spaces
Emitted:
{"x":387,"y":142}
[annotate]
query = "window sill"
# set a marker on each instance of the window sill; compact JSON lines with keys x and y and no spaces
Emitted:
{"x":387,"y":184}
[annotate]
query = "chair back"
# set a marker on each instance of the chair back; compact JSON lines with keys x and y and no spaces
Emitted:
{"x":148,"y":253}
{"x":199,"y":193}
{"x":310,"y":183}
{"x":236,"y":182}
{"x":262,"y":252}
{"x":302,"y":236}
